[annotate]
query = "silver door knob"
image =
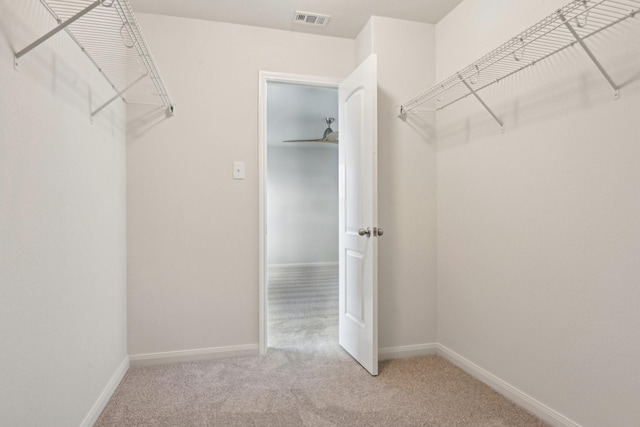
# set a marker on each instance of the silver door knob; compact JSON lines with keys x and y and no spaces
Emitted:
{"x":378,"y":231}
{"x":364,"y":232}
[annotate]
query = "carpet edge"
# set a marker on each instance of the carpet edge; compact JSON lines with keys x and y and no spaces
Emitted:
{"x":512,"y":393}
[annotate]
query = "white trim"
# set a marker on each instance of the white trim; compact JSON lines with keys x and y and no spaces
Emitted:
{"x":407,"y":351}
{"x":306,"y":264}
{"x":106,"y":394}
{"x":512,"y":393}
{"x":193,"y":355}
{"x":263,"y":79}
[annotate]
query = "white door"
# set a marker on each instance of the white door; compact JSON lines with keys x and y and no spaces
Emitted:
{"x":358,"y":330}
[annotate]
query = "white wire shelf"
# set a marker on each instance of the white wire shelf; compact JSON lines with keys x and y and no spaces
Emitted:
{"x":108,"y":33}
{"x":569,"y":25}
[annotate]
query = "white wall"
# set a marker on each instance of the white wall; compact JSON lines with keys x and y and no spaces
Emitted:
{"x":406,"y":182}
{"x":302,"y":207}
{"x":62,"y":228}
{"x":193,"y":230}
{"x":193,"y":252}
{"x":539,"y":228}
{"x":302,"y":178}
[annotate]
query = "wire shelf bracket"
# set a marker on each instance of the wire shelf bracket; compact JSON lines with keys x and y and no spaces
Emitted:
{"x":616,"y":88}
{"x":117,"y":95}
{"x":108,"y":33}
{"x":566,"y":27}
{"x":486,"y":107}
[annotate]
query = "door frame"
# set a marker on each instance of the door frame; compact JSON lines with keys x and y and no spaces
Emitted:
{"x":264,"y":78}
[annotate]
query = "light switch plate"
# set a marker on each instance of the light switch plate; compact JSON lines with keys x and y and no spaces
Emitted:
{"x":238,"y":170}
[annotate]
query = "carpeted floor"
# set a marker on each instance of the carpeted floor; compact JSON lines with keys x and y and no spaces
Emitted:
{"x":306,"y":379}
{"x":303,"y":308}
{"x":291,"y":388}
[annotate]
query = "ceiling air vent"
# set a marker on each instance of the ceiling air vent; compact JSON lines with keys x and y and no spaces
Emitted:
{"x":307,"y":18}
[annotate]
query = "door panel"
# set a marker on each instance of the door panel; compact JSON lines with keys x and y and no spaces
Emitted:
{"x":353,"y":105}
{"x":358,"y":331}
{"x":354,"y":295}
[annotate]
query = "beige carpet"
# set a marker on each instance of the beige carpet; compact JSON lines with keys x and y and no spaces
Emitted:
{"x":306,"y":379}
{"x":290,"y":388}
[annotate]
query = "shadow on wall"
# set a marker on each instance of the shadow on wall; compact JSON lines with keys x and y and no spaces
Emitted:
{"x":537,"y":105}
{"x":68,"y":85}
{"x":555,"y":87}
{"x":141,"y":119}
{"x":71,"y":86}
{"x":5,"y":17}
{"x":11,"y":18}
{"x":421,"y":121}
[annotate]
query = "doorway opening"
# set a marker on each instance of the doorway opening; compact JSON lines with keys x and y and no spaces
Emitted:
{"x":357,"y":209}
{"x":299,"y":213}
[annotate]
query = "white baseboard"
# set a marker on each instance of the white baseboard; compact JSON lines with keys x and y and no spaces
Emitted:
{"x":306,"y":264}
{"x":106,"y":394}
{"x":522,"y":399}
{"x":407,"y":351}
{"x":193,"y":355}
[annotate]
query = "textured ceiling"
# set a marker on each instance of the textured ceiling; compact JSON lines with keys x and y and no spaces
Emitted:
{"x":347,"y":16}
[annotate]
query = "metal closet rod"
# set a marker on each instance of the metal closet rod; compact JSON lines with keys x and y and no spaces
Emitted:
{"x":568,"y":26}
{"x":108,"y":39}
